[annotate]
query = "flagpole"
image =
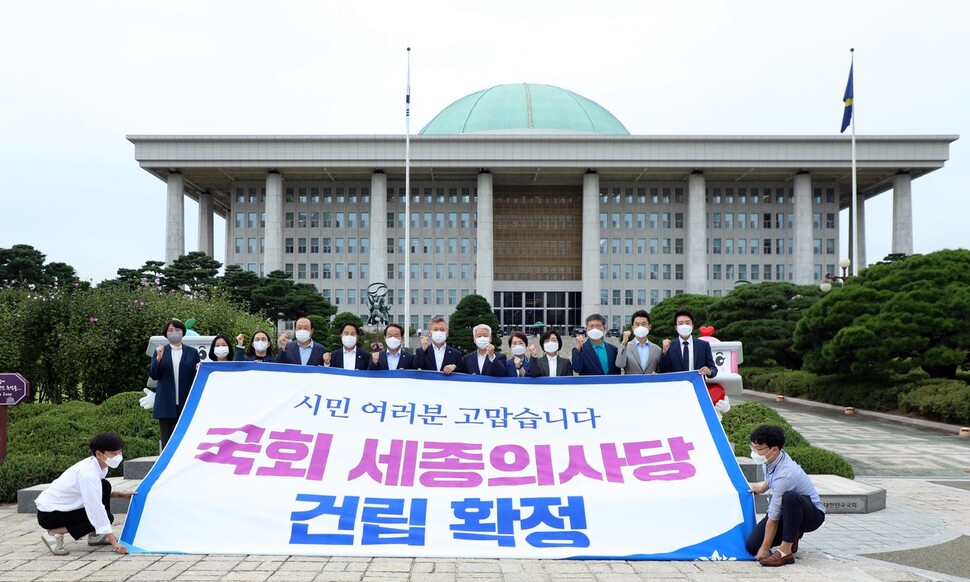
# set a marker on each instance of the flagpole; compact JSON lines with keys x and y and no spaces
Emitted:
{"x":407,"y":209}
{"x":855,"y":194}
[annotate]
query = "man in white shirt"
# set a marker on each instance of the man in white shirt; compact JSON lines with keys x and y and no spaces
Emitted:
{"x":436,"y":355}
{"x":79,"y":501}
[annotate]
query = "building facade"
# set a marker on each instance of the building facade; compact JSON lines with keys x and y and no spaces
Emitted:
{"x":537,"y":199}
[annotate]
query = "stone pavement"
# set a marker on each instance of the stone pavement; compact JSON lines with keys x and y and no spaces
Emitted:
{"x":901,"y":459}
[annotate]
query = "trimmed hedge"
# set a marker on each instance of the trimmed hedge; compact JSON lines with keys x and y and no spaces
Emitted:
{"x":45,"y":439}
{"x":744,"y":418}
{"x":913,"y":393}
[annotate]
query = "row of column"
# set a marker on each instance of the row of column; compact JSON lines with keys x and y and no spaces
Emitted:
{"x":696,"y":229}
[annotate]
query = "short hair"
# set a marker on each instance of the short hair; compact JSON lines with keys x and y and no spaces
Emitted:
{"x":519,"y":335}
{"x":437,"y":319}
{"x":397,"y":325}
{"x":356,"y":327}
{"x":596,"y":317}
{"x":481,"y":325}
{"x":106,"y":441}
{"x":640,"y":313}
{"x":310,"y":321}
{"x":684,"y":313}
{"x":251,"y":351}
{"x":769,"y":434}
{"x":548,"y":335}
{"x":178,"y":325}
{"x":212,"y":348}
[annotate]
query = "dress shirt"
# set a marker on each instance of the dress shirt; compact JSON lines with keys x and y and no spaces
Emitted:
{"x":305,"y":352}
{"x":393,"y":360}
{"x":601,"y":354}
{"x":553,"y":365}
{"x":79,"y":486}
{"x":643,"y":350}
{"x":439,"y":355}
{"x":783,"y":475}
{"x":176,"y":360}
{"x":350,"y":359}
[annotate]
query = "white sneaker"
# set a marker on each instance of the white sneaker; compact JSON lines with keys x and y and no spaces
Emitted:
{"x":98,"y":540}
{"x":55,"y":543}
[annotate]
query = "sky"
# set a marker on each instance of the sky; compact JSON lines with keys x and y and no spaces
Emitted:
{"x":77,"y":77}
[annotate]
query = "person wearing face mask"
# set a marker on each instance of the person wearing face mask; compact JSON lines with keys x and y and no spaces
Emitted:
{"x":394,"y":357}
{"x":484,"y":360}
{"x":595,"y":357}
{"x":349,"y":356}
{"x":688,"y":353}
{"x":79,"y":501}
{"x":794,"y":508}
{"x":519,"y":364}
{"x":304,"y":351}
{"x":550,"y":363}
{"x":259,"y":350}
{"x":434,"y":354}
{"x":174,"y":369}
{"x":641,"y":356}
{"x":219,"y":350}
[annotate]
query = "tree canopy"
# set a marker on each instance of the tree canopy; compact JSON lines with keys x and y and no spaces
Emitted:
{"x":471,"y":311}
{"x":893,"y":317}
{"x":23,"y":266}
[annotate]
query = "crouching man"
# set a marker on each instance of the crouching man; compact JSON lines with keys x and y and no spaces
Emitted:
{"x":79,"y":501}
{"x":795,"y":507}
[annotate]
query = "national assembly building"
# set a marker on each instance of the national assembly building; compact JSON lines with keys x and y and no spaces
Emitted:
{"x":538,"y":199}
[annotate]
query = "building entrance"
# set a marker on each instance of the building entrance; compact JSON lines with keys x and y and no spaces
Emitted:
{"x":532,"y":312}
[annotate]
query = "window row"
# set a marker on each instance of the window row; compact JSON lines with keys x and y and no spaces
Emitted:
{"x":625,"y":297}
{"x":713,"y":195}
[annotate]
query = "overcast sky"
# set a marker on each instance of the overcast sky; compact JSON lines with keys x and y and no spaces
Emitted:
{"x":77,"y":77}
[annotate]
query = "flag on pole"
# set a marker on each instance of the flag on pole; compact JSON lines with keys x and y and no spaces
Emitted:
{"x":847,"y":99}
{"x":407,"y":99}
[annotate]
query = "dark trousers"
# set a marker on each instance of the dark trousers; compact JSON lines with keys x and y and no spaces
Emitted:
{"x":798,"y":515}
{"x":166,"y":426}
{"x":76,"y":521}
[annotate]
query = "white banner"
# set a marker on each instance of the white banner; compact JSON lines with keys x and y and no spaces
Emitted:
{"x":279,"y":459}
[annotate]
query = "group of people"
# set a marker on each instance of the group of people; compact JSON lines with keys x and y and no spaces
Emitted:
{"x":78,"y":502}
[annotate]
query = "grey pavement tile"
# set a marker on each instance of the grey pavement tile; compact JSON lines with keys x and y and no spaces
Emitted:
{"x":338,"y":577}
{"x":433,"y":577}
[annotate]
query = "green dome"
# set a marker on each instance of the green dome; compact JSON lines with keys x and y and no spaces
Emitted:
{"x":524,"y":108}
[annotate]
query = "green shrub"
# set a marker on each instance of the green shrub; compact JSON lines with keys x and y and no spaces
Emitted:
{"x":51,"y":433}
{"x":816,"y":461}
{"x":947,"y":400}
{"x":20,"y":471}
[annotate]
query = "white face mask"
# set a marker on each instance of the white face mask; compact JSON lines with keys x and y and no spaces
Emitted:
{"x":302,"y":335}
{"x":221,"y":351}
{"x":113,"y":462}
{"x":174,"y":336}
{"x":439,"y":337}
{"x":349,"y":341}
{"x":393,"y":343}
{"x":518,"y":350}
{"x":595,"y":334}
{"x":759,"y":459}
{"x":685,"y":330}
{"x":482,"y":342}
{"x":550,"y":347}
{"x":640,"y":331}
{"x":260,"y":346}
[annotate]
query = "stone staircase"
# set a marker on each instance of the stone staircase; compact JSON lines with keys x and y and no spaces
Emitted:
{"x":839,"y":495}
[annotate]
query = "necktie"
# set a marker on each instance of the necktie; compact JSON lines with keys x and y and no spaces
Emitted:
{"x":686,"y":357}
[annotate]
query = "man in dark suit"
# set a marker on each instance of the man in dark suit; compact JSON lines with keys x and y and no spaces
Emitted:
{"x":349,"y":357}
{"x":595,"y":357}
{"x":173,"y":367}
{"x":435,"y":354}
{"x":304,"y":351}
{"x":484,"y":360}
{"x":688,"y":353}
{"x":394,"y":357}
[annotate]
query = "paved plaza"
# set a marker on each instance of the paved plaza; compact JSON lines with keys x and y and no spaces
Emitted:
{"x":924,"y":472}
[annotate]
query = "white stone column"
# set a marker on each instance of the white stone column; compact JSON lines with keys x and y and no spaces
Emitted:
{"x":696,"y":268}
{"x":861,"y":233}
{"x":484,"y":281}
{"x":903,"y":213}
{"x":206,"y":237}
{"x":175,"y":218}
{"x":378,"y":227}
{"x":804,"y":229}
{"x":273,"y":259}
{"x":591,"y":244}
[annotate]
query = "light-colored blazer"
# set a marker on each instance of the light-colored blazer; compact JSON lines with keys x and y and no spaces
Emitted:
{"x":628,"y":358}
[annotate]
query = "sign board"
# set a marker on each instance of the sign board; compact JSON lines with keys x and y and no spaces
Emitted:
{"x":14,"y":388}
{"x":302,"y":460}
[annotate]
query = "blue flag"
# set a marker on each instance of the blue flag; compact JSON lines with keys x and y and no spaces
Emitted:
{"x":847,"y":99}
